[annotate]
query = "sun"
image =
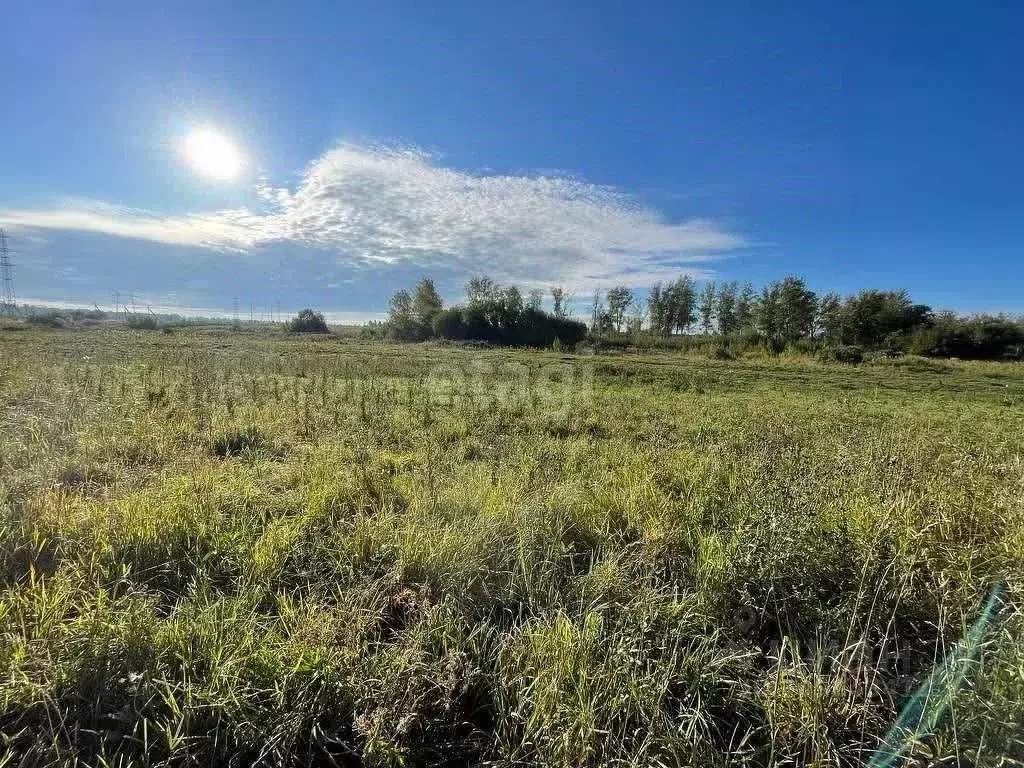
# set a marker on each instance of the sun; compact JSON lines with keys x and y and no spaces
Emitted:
{"x":212,"y":154}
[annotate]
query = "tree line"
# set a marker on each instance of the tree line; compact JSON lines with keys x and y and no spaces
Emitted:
{"x":493,"y":313}
{"x":783,"y":313}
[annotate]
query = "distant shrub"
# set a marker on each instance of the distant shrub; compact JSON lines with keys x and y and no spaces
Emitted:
{"x":846,"y":353}
{"x":46,"y":319}
{"x":373,"y":330}
{"x":308,"y":321}
{"x":449,"y":324}
{"x":894,"y":344}
{"x":748,"y":337}
{"x":142,"y":322}
{"x":407,"y":329}
{"x":60,"y":318}
{"x":974,"y":338}
{"x":494,"y":325}
{"x":802,"y":346}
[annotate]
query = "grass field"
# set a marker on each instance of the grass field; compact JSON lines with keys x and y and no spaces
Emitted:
{"x":221,"y":547}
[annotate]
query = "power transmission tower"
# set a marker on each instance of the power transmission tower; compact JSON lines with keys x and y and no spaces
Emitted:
{"x":6,"y":276}
{"x":234,"y":310}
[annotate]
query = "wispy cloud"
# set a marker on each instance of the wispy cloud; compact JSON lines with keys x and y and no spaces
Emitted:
{"x":372,"y":204}
{"x":226,"y":230}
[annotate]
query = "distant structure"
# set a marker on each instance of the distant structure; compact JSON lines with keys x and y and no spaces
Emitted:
{"x":6,"y":277}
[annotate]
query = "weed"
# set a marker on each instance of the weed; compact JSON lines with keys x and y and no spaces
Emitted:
{"x":237,"y":441}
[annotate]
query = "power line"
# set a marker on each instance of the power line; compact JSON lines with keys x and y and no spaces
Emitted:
{"x":6,"y":276}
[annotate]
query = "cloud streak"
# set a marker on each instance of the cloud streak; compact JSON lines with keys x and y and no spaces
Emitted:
{"x":376,"y":205}
{"x":224,"y":230}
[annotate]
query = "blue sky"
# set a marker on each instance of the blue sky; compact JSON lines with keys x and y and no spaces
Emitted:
{"x":586,"y":144}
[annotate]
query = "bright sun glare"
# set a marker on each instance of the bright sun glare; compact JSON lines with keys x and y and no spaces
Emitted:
{"x":212,"y":154}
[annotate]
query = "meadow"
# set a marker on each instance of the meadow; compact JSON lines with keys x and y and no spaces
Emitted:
{"x":244,"y":548}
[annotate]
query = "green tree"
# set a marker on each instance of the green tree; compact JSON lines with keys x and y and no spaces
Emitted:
{"x":479,"y":290}
{"x":400,"y":308}
{"x":620,"y":298}
{"x":308,"y":321}
{"x":510,"y":303}
{"x":830,"y":318}
{"x":726,"y":307}
{"x":767,"y":311}
{"x":402,"y":325}
{"x":872,"y":315}
{"x":535,"y":299}
{"x":426,"y":302}
{"x":797,"y":307}
{"x":657,"y":310}
{"x":597,"y":312}
{"x":449,"y":324}
{"x":560,"y":302}
{"x":746,"y":308}
{"x":681,"y":303}
{"x":706,"y":306}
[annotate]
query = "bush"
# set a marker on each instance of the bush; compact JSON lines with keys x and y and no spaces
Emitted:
{"x":407,"y":329}
{"x":46,"y":319}
{"x":142,"y":322}
{"x":975,"y":338}
{"x":568,"y":332}
{"x":449,"y":324}
{"x":493,"y":324}
{"x":802,"y":346}
{"x":894,"y":344}
{"x":308,"y":321}
{"x":847,"y":353}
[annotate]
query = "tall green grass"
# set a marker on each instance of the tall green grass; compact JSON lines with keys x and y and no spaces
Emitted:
{"x":231,"y":549}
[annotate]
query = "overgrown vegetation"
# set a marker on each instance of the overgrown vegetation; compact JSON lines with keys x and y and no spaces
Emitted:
{"x":494,"y":314}
{"x":307,"y":321}
{"x":223,"y":548}
{"x":786,"y":314}
{"x":140,"y":322}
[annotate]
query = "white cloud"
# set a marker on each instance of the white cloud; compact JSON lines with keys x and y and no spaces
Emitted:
{"x":385,"y":205}
{"x":228,"y":230}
